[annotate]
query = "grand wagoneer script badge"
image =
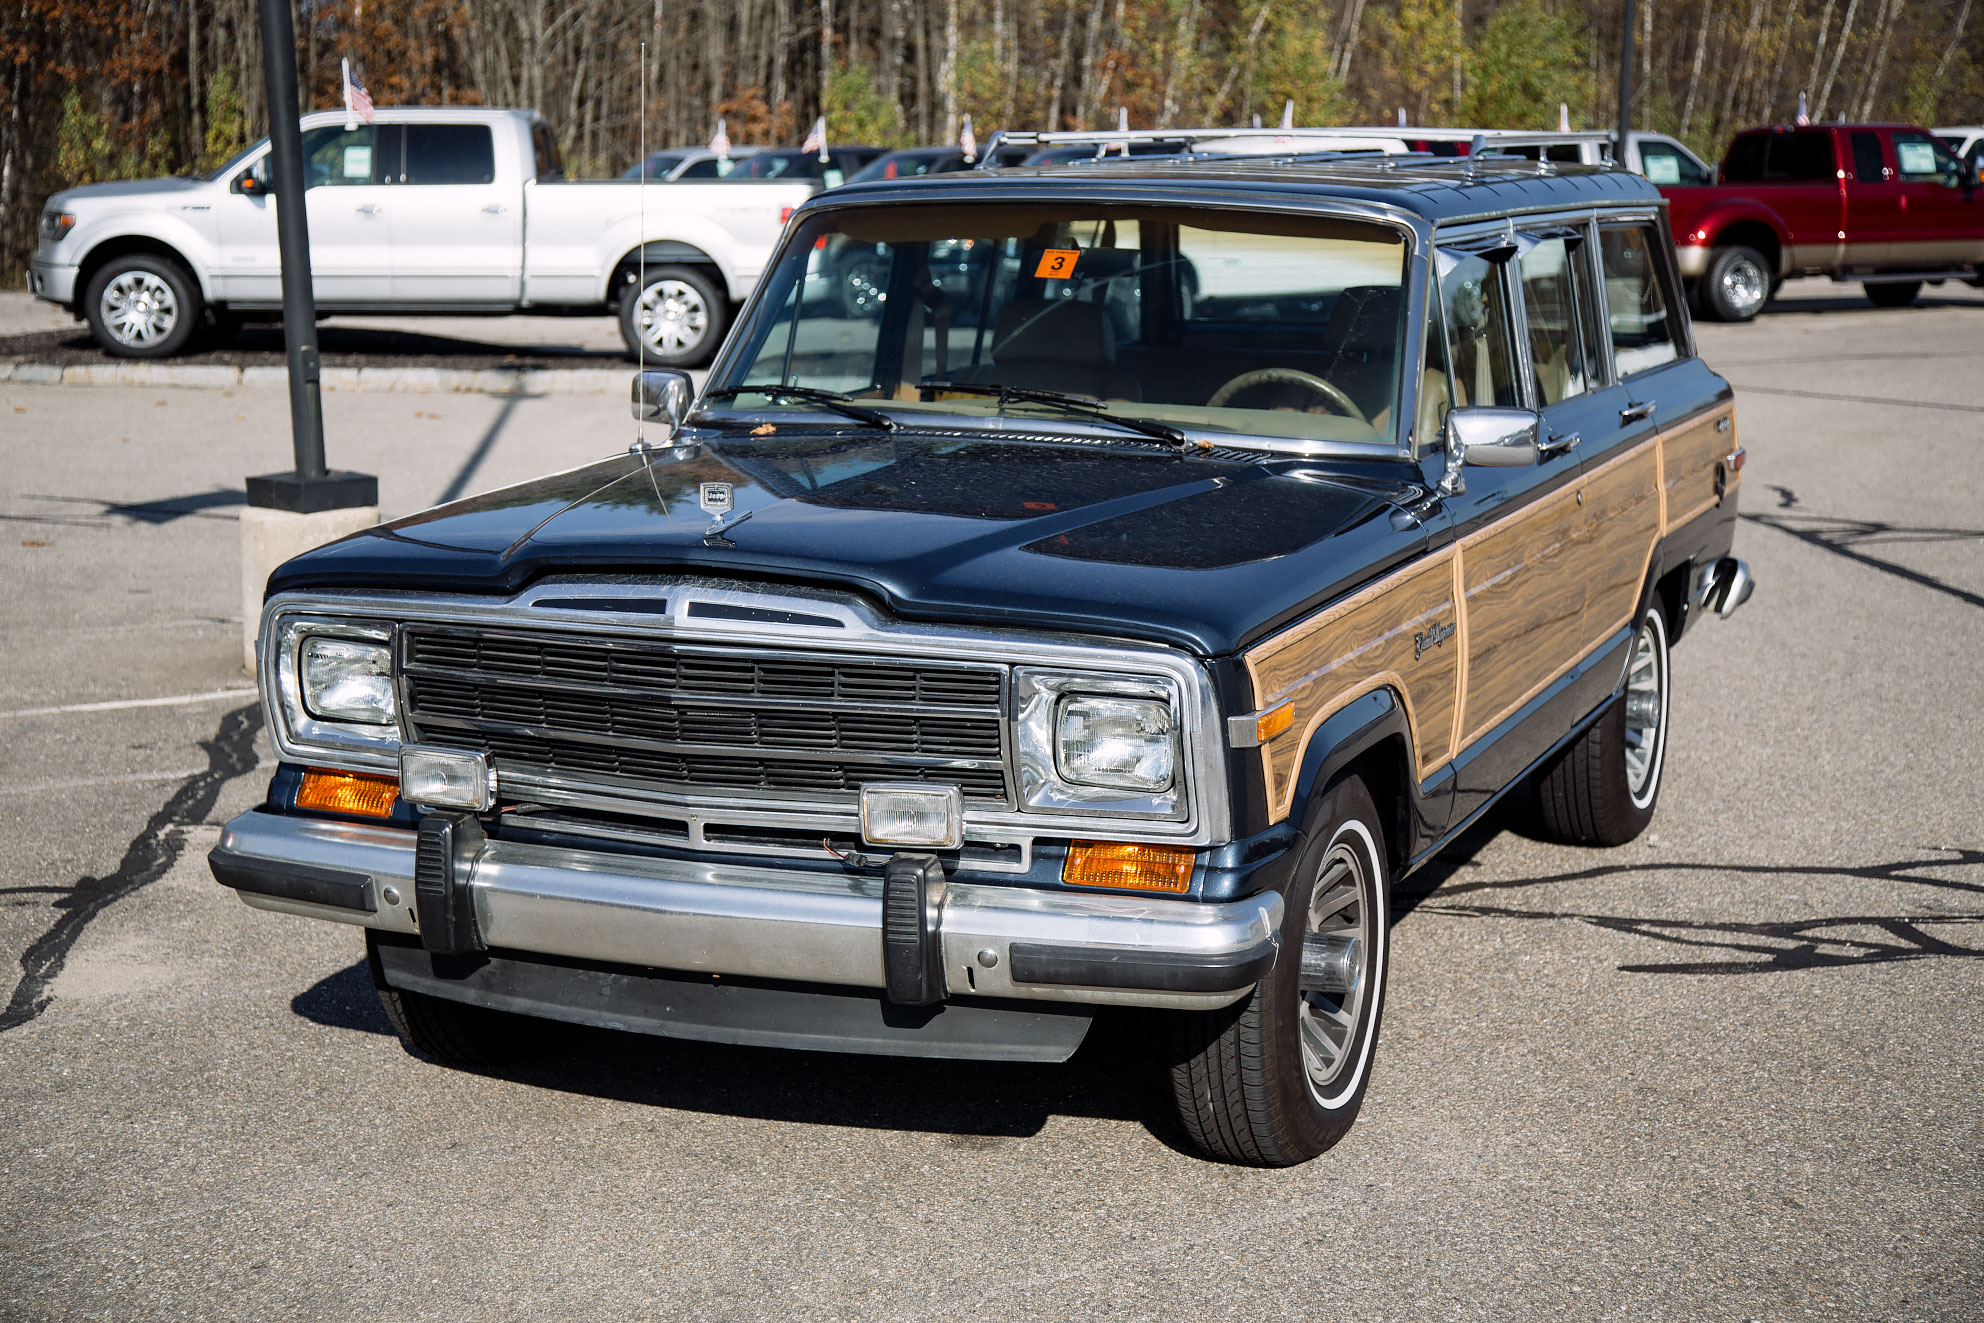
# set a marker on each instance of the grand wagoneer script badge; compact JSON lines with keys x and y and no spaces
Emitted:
{"x":1430,"y":638}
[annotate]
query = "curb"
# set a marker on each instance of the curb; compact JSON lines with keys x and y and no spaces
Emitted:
{"x":207,"y":376}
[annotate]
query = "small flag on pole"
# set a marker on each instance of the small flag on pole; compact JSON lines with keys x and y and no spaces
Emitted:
{"x":720,"y":143}
{"x":816,"y":141}
{"x":969,"y":141}
{"x":1288,"y":114}
{"x":1804,"y":115}
{"x":357,"y":101}
{"x":1563,"y":118}
{"x":1401,"y":116}
{"x":1123,"y":126}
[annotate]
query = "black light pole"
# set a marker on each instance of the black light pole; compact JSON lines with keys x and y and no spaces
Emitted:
{"x":311,"y":488}
{"x":1625,"y":89}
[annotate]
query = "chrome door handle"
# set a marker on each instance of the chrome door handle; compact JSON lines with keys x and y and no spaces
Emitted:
{"x":370,"y":209}
{"x":1559,"y":443}
{"x":1632,"y":413}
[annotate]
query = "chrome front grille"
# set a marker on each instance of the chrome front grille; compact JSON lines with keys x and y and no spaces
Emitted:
{"x":691,"y":720}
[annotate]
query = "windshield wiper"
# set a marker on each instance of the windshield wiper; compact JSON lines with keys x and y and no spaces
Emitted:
{"x":832,"y":399}
{"x":1081,"y":404}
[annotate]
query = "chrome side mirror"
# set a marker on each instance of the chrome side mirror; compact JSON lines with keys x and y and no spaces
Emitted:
{"x":1490,"y":437}
{"x":662,"y":395}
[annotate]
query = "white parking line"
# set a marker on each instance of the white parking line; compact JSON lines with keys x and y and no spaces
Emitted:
{"x":177,"y":700}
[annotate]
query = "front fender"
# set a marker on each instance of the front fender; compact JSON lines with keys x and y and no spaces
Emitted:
{"x":1700,"y":232}
{"x":193,"y":249}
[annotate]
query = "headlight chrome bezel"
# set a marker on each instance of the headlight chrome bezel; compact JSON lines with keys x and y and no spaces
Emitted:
{"x":301,"y":735}
{"x":1039,"y":699}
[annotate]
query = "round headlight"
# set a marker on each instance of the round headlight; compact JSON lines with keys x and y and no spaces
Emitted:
{"x":347,"y":680}
{"x":1122,"y":743}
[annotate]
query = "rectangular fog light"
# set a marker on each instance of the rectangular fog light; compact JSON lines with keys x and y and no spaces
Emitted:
{"x":446,"y":778}
{"x":920,"y":815}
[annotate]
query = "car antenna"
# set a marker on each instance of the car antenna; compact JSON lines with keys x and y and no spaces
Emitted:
{"x":641,"y":258}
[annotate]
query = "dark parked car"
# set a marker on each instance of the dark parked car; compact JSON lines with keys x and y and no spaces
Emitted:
{"x":792,"y":163}
{"x":914,"y":162}
{"x":945,"y":676}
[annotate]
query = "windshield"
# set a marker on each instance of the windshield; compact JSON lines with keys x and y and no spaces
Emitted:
{"x":237,"y":159}
{"x":1226,"y":322}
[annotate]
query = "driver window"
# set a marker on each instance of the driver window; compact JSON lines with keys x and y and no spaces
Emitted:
{"x":1475,"y":298}
{"x":336,"y":158}
{"x":1923,"y":160}
{"x":1551,"y":302}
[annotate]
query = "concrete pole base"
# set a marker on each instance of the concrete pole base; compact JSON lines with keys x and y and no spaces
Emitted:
{"x":270,"y":537}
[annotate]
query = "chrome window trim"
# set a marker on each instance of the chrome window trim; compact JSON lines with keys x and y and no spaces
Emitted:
{"x":861,"y":631}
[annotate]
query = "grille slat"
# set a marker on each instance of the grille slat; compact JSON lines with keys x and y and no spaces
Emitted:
{"x":658,"y":716}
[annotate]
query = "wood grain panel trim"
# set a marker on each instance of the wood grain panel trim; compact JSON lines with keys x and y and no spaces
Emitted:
{"x":1692,"y":452}
{"x":1368,"y":641}
{"x":1524,"y":607}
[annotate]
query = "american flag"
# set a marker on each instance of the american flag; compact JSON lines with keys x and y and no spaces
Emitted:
{"x":816,"y":141}
{"x":969,"y":141}
{"x":720,"y":144}
{"x":357,"y":101}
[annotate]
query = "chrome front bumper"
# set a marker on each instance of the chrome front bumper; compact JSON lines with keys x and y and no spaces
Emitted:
{"x":757,"y":922}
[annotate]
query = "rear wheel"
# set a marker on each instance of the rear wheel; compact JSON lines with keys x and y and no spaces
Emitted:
{"x":675,"y":318}
{"x":1736,"y":285}
{"x":452,"y":1032}
{"x":1601,"y":789}
{"x":1279,"y":1078}
{"x":143,"y":306}
{"x":1893,"y":293}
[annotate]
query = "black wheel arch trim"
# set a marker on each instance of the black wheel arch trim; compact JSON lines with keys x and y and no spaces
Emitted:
{"x":1159,"y":971}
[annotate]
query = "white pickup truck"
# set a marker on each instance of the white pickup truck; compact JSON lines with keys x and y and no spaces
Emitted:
{"x":442,"y":210}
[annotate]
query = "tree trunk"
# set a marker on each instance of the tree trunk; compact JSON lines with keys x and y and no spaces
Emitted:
{"x":1839,"y":49}
{"x":1695,"y":73}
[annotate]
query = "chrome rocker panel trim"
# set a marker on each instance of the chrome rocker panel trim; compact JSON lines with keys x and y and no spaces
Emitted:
{"x":722,"y":918}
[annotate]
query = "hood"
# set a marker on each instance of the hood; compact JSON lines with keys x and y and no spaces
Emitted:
{"x":1202,"y":553}
{"x":125,"y":188}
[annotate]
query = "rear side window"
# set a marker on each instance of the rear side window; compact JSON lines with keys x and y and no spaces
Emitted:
{"x":1868,"y":167}
{"x":1551,"y":300}
{"x":1804,"y":157}
{"x":450,"y":154}
{"x":545,"y":148}
{"x":1636,"y":306}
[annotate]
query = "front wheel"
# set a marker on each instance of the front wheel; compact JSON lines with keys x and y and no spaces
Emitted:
{"x":675,"y":318}
{"x":1736,"y":285}
{"x":1893,"y":293}
{"x":1279,"y":1077}
{"x":143,"y":306}
{"x":1601,"y":789}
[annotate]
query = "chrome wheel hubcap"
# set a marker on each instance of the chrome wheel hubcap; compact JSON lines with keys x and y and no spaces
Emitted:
{"x":138,"y":309}
{"x":1745,"y":286}
{"x":1335,"y":977}
{"x":1646,"y":711}
{"x":672,"y":316}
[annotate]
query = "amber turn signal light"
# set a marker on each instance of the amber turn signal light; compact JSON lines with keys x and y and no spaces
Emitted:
{"x":1273,"y":723}
{"x":348,"y":792}
{"x":1130,"y":867}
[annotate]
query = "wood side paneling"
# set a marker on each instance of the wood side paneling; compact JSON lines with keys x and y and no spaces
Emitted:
{"x":1691,"y":452}
{"x":1622,"y":520}
{"x":1363,"y":643}
{"x":1524,"y":608}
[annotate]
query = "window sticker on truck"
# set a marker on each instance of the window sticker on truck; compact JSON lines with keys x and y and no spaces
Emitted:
{"x":1662,"y":169}
{"x":1917,"y":158}
{"x":358,"y":162}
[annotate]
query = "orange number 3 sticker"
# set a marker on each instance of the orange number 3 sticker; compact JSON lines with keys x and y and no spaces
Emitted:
{"x":1057,"y":264}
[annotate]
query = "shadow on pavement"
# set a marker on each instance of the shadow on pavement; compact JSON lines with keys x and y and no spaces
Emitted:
{"x":1115,"y":1075}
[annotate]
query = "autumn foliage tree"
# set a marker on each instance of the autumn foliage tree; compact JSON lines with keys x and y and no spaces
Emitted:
{"x":100,"y":89}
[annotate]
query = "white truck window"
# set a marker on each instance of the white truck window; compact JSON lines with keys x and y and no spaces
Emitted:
{"x":450,"y":154}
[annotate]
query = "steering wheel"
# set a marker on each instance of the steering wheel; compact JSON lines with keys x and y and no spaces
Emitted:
{"x":1332,"y":394}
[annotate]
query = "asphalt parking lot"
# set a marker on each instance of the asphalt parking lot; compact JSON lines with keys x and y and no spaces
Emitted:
{"x":1730,"y":1071}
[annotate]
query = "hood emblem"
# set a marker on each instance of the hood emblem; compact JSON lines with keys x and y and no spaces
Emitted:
{"x":718,"y":501}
